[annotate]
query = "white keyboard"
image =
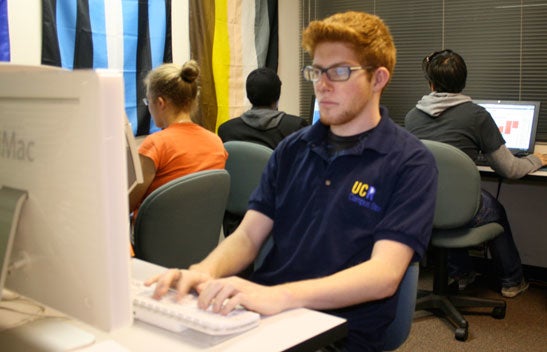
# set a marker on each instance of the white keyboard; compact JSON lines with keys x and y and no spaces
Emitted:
{"x":176,"y":316}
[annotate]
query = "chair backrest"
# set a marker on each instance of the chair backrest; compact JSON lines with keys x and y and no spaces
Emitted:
{"x":245,"y":163}
{"x":180,"y":222}
{"x":459,"y":184}
{"x":399,"y":329}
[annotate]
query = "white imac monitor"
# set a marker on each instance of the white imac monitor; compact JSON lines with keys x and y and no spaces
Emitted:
{"x":62,"y":141}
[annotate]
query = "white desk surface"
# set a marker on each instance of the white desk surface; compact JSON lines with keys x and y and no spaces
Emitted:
{"x":275,"y":333}
{"x":540,"y":172}
{"x":298,"y":327}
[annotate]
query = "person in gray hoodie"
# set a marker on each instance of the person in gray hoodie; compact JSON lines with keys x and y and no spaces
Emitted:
{"x":446,"y":115}
{"x":263,"y":123}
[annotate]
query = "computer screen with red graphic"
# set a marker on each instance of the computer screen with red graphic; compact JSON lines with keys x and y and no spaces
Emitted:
{"x":517,"y":122}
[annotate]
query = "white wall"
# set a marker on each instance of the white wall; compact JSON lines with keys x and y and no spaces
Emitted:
{"x":289,"y":58}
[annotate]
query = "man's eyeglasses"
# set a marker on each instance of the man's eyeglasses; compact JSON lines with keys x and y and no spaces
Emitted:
{"x":335,"y":74}
{"x":145,"y":101}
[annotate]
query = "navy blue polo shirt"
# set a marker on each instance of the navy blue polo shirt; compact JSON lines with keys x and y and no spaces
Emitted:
{"x":329,"y":211}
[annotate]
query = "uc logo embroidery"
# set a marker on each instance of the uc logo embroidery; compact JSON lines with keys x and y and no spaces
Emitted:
{"x":362,"y":194}
{"x":363,"y":190}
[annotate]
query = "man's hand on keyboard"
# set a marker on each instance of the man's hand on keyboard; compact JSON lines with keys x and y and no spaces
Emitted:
{"x":224,"y":295}
{"x":183,"y":281}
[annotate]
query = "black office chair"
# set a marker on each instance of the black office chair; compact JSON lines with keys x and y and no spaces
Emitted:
{"x":458,"y":199}
{"x":179,"y":223}
{"x":245,"y":163}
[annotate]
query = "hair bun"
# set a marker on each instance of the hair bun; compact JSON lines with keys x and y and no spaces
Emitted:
{"x":190,"y":71}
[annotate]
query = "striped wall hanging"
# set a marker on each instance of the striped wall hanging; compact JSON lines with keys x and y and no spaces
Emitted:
{"x":129,"y":36}
{"x":228,"y":38}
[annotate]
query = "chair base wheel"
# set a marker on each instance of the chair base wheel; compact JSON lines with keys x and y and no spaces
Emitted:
{"x":461,"y":334}
{"x":498,"y":312}
{"x":446,"y":306}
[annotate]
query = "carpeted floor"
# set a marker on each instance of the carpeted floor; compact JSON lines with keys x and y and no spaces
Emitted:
{"x":524,"y":327}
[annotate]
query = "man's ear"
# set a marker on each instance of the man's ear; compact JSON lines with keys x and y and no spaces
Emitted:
{"x":380,"y":78}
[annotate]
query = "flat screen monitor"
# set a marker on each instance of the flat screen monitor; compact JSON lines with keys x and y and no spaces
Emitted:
{"x":134,"y":169}
{"x":314,"y":110}
{"x":62,"y":141}
{"x":517,"y":122}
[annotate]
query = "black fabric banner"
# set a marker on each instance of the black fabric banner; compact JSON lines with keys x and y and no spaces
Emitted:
{"x":83,"y":47}
{"x":273,"y":44}
{"x":168,"y":50}
{"x":51,"y":54}
{"x":144,"y":64}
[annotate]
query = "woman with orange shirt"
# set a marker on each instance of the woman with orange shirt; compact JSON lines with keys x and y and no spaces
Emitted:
{"x":181,"y":147}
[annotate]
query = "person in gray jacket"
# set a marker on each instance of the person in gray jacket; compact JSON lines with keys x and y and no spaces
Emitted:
{"x":446,"y":115}
{"x":263,"y":123}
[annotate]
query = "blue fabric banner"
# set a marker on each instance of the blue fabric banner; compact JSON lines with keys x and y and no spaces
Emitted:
{"x":4,"y":31}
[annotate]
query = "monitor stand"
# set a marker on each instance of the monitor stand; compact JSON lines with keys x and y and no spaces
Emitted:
{"x":46,"y":334}
{"x":40,"y":333}
{"x":11,"y":203}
